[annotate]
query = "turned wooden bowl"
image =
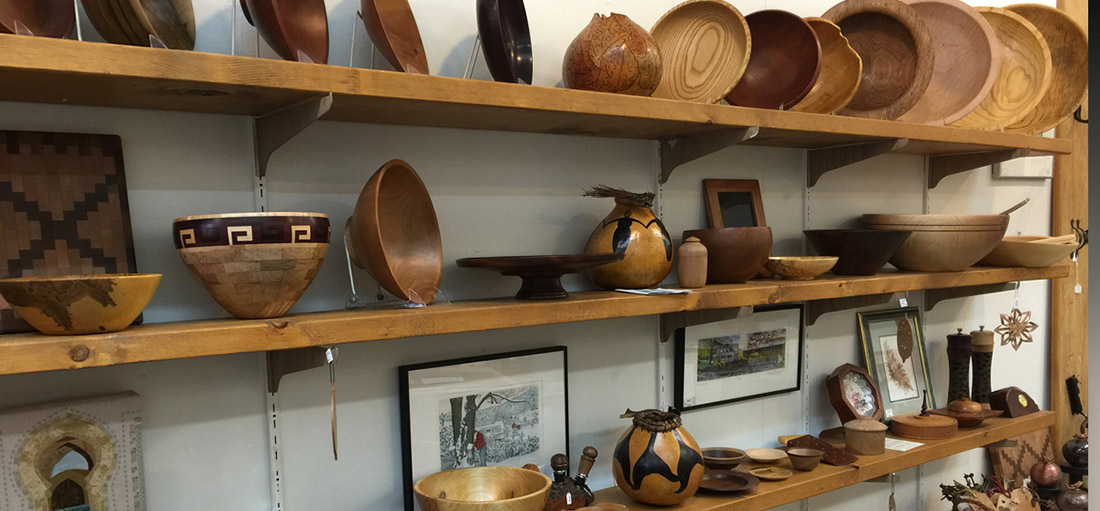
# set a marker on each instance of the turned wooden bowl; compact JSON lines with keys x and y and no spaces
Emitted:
{"x":392,"y":28}
{"x":80,"y":304}
{"x":897,"y":51}
{"x":784,"y":65}
{"x":734,"y":254}
{"x":1027,"y":251}
{"x":505,"y":39}
{"x":297,"y":31}
{"x":859,"y":251}
{"x":1024,"y":75}
{"x":765,"y":456}
{"x":966,"y":64}
{"x":394,"y":233}
{"x":841,"y":71}
{"x":255,"y":265}
{"x":705,"y":47}
{"x":941,"y":242}
{"x":1069,"y":51}
{"x":49,"y":18}
{"x":134,"y":21}
{"x":800,"y":268}
{"x":804,"y":459}
{"x":723,"y":458}
{"x":483,"y":489}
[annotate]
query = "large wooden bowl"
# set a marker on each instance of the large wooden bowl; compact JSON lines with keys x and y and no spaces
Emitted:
{"x":966,"y":65}
{"x":734,"y":254}
{"x":861,"y":251}
{"x":897,"y":51}
{"x":1069,"y":51}
{"x":841,"y":71}
{"x":1024,"y":77}
{"x":784,"y":65}
{"x":505,"y":39}
{"x":1027,"y":251}
{"x":483,"y":489}
{"x":297,"y":31}
{"x":705,"y":46}
{"x":392,"y":27}
{"x":394,"y":233}
{"x":80,"y":304}
{"x":49,"y":18}
{"x":941,"y":242}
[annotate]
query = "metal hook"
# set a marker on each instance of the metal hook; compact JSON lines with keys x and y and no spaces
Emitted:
{"x":1077,"y":115}
{"x":1082,"y":235}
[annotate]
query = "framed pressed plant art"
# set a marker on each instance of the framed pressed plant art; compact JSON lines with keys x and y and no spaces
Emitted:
{"x":894,"y":354}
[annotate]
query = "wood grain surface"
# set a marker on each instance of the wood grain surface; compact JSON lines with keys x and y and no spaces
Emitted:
{"x":49,"y":18}
{"x":705,"y":46}
{"x":841,"y":71}
{"x":392,"y":27}
{"x":1069,"y":54}
{"x":297,"y":31}
{"x":784,"y":64}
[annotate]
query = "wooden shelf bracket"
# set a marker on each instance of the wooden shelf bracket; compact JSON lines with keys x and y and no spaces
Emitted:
{"x":674,"y":321}
{"x":284,"y":362}
{"x":827,"y":159}
{"x":935,"y":296}
{"x":678,"y":151}
{"x":941,"y":166}
{"x":274,"y":129}
{"x":817,"y":308}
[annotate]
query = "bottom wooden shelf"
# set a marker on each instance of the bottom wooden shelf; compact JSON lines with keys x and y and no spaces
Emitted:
{"x":826,"y":478}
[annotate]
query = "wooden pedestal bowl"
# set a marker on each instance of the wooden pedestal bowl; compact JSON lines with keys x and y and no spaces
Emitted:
{"x":800,"y":268}
{"x":942,"y":242}
{"x":966,"y":64}
{"x":734,"y":254}
{"x":48,"y":18}
{"x":505,"y":39}
{"x":297,"y":31}
{"x":483,"y":489}
{"x":1027,"y":251}
{"x":841,"y":71}
{"x":255,"y":265}
{"x":784,"y":65}
{"x":897,"y":51}
{"x":394,"y":233}
{"x":541,"y":274}
{"x":860,"y":251}
{"x":1069,"y":51}
{"x":705,"y":46}
{"x":392,"y":27}
{"x":80,"y":304}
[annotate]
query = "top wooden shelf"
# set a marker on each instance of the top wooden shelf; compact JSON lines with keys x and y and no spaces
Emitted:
{"x":38,"y":69}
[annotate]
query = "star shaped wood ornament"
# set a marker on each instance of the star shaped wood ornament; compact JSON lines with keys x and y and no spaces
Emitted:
{"x":1016,"y":328}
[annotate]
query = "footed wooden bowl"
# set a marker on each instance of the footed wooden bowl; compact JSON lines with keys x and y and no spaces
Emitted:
{"x":784,"y":65}
{"x":80,"y":304}
{"x":49,"y":18}
{"x":483,"y":489}
{"x":392,"y":27}
{"x":255,"y":265}
{"x":942,"y":242}
{"x":705,"y":46}
{"x":297,"y":31}
{"x":859,"y":251}
{"x":1069,"y":51}
{"x":1027,"y":251}
{"x":800,"y":268}
{"x":734,"y":254}
{"x":841,"y":71}
{"x":541,"y":274}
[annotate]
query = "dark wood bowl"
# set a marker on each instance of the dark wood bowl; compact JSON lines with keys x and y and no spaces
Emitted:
{"x":734,"y":254}
{"x":49,"y":18}
{"x":392,"y":27}
{"x":297,"y":31}
{"x":723,"y":458}
{"x":861,"y":251}
{"x":505,"y":39}
{"x":135,"y":22}
{"x":784,"y":64}
{"x":897,"y":51}
{"x":541,"y":274}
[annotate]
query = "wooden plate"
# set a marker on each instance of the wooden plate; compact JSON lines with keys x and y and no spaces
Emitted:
{"x":705,"y":46}
{"x":392,"y":27}
{"x":727,"y":481}
{"x":771,"y":473}
{"x":784,"y":64}
{"x":966,"y":64}
{"x":1024,"y":77}
{"x":541,"y":274}
{"x":48,"y":18}
{"x":897,"y":51}
{"x":297,"y":31}
{"x":505,"y":39}
{"x":841,"y":71}
{"x":103,"y":19}
{"x":1069,"y":53}
{"x":173,"y":22}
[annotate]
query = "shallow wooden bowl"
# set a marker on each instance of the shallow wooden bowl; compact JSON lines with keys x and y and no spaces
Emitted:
{"x":859,"y":251}
{"x":394,"y":233}
{"x":841,"y":71}
{"x":1069,"y":50}
{"x":1024,"y":77}
{"x":734,"y":254}
{"x":505,"y":39}
{"x":80,"y":304}
{"x":765,"y":456}
{"x":784,"y":65}
{"x":800,"y":268}
{"x":942,"y":242}
{"x":966,"y":64}
{"x":49,"y":18}
{"x":392,"y":27}
{"x":804,"y":459}
{"x":297,"y":31}
{"x":897,"y":51}
{"x":723,"y":458}
{"x":1024,"y":251}
{"x":705,"y":46}
{"x":483,"y":489}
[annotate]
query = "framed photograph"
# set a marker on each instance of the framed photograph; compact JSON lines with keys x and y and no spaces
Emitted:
{"x":738,"y":359}
{"x":893,"y":351}
{"x":505,"y":409}
{"x":733,"y":203}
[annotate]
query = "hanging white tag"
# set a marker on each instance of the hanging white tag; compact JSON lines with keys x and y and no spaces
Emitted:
{"x":904,"y":302}
{"x":1078,"y":289}
{"x":569,"y":499}
{"x":330,"y":355}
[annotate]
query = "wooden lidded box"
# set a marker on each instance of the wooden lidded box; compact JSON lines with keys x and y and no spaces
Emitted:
{"x":865,"y":437}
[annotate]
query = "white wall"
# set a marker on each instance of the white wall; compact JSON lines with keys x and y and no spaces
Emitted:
{"x":495,"y":194}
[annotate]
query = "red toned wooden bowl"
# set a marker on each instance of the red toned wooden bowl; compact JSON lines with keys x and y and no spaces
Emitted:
{"x":297,"y":31}
{"x":392,"y":27}
{"x":50,"y":18}
{"x":784,"y":64}
{"x":734,"y":254}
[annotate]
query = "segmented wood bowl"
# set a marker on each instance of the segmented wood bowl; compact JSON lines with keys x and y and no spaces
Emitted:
{"x":841,"y":71}
{"x":49,"y":18}
{"x":1069,"y":51}
{"x":784,"y":64}
{"x":705,"y":46}
{"x":393,"y":29}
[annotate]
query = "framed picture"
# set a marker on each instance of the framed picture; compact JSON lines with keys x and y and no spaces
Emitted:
{"x":893,"y":351}
{"x":733,"y":203}
{"x":738,"y":359}
{"x":505,"y":409}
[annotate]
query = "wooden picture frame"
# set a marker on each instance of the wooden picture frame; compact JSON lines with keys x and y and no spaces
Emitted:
{"x":733,"y":203}
{"x":901,"y":382}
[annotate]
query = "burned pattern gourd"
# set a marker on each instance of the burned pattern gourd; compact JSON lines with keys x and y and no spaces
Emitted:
{"x":656,"y":461}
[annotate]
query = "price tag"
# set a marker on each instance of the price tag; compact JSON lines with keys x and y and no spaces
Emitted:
{"x":904,"y":302}
{"x":1077,"y":289}
{"x":569,"y":499}
{"x":330,"y":355}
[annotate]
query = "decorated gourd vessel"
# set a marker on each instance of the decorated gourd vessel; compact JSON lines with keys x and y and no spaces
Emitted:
{"x":631,"y":228}
{"x":613,"y":54}
{"x":657,"y":461}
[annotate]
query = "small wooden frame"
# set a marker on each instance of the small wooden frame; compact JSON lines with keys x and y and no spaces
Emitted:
{"x":743,"y":207}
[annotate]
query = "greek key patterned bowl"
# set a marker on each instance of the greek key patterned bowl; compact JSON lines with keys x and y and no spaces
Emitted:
{"x":255,"y":265}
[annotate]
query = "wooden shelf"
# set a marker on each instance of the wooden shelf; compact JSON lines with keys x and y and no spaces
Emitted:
{"x":26,"y":353}
{"x":46,"y":70}
{"x":826,"y":478}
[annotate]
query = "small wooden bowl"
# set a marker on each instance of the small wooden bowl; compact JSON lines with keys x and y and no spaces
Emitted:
{"x":800,"y":268}
{"x":723,"y":458}
{"x":1024,"y":251}
{"x":765,"y":456}
{"x":392,"y":27}
{"x":841,"y":71}
{"x":784,"y":65}
{"x":48,"y":18}
{"x":897,"y":51}
{"x":1069,"y":51}
{"x":942,"y":242}
{"x":734,"y":254}
{"x":483,"y":489}
{"x":297,"y":31}
{"x":860,"y":251}
{"x":80,"y":304}
{"x":705,"y":46}
{"x":505,"y":39}
{"x":805,"y":459}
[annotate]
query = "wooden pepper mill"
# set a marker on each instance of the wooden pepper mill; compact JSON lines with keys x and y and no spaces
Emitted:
{"x":982,"y":348}
{"x":958,"y":361}
{"x":588,"y":458}
{"x":692,"y":264}
{"x":566,"y":492}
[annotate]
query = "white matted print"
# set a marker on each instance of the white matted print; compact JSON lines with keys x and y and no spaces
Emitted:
{"x":901,"y":379}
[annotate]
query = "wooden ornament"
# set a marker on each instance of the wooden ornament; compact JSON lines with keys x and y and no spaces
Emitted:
{"x":1016,"y":328}
{"x":841,"y":71}
{"x":1013,"y":401}
{"x":853,"y":394}
{"x":705,"y":46}
{"x":905,"y":338}
{"x":691,"y":267}
{"x":1068,"y":45}
{"x":613,"y":54}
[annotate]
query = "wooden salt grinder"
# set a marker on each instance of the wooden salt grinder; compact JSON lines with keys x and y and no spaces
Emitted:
{"x":982,"y":347}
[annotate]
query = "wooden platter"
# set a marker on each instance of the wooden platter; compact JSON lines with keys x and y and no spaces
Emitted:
{"x":49,"y":18}
{"x":705,"y":47}
{"x":841,"y":71}
{"x":392,"y":27}
{"x":784,"y":65}
{"x":1068,"y":45}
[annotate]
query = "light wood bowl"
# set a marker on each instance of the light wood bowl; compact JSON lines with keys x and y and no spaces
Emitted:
{"x":784,"y":65}
{"x":392,"y":27}
{"x":1024,"y":251}
{"x":49,"y":18}
{"x":297,"y":31}
{"x":1025,"y":73}
{"x":800,"y":268}
{"x":941,"y":242}
{"x":765,"y":456}
{"x":841,"y":71}
{"x":705,"y":46}
{"x":483,"y":489}
{"x":966,"y":65}
{"x":897,"y":51}
{"x":1069,"y":50}
{"x":80,"y":304}
{"x":394,"y":233}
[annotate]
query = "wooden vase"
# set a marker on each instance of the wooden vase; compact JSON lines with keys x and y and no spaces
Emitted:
{"x":656,"y":461}
{"x":636,"y":231}
{"x":613,"y":54}
{"x":691,"y":267}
